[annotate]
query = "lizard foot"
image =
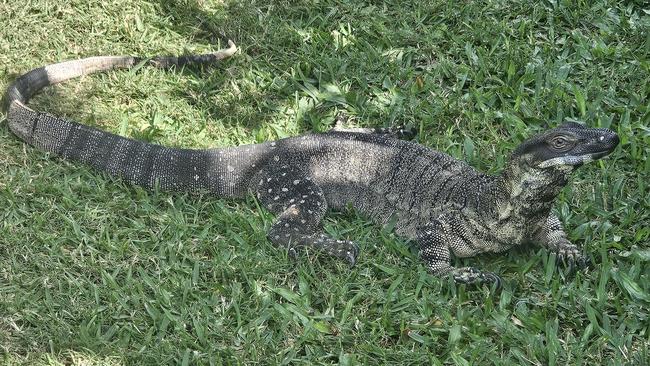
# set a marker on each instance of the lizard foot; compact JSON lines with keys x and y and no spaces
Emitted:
{"x":343,"y":249}
{"x":569,"y":254}
{"x":470,"y":275}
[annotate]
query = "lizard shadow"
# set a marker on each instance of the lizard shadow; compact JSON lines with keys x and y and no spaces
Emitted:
{"x":301,"y":90}
{"x":243,"y":94}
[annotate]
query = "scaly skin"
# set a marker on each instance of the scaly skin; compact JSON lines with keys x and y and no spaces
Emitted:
{"x":445,"y":206}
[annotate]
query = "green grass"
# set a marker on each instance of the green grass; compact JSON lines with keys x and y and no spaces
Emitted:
{"x":93,"y":271}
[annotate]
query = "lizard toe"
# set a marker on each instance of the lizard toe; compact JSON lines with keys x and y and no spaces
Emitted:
{"x":489,"y":278}
{"x":570,"y":264}
{"x":351,"y":259}
{"x":351,"y":253}
{"x":293,"y":252}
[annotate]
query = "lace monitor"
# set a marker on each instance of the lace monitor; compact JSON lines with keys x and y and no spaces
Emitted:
{"x":442,"y":204}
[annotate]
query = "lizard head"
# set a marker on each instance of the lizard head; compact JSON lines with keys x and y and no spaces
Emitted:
{"x":566,"y":147}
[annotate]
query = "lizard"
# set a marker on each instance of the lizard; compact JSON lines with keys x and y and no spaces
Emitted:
{"x":441,"y":204}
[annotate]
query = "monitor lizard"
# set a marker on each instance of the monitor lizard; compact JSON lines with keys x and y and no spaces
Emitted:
{"x":442,"y":204}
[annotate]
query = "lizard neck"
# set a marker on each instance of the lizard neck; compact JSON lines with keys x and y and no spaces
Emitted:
{"x":528,"y":192}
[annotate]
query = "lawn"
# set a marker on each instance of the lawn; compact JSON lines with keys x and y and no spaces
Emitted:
{"x":94,"y":271}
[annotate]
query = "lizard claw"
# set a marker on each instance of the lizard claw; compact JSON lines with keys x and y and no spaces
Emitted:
{"x":489,"y":277}
{"x":571,"y":264}
{"x":351,"y":259}
{"x":352,"y":253}
{"x":293,"y":252}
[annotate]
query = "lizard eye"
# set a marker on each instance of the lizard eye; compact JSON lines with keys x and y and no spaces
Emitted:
{"x":560,"y":143}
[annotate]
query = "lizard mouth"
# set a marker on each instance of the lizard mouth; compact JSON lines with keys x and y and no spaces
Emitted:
{"x":599,"y":155}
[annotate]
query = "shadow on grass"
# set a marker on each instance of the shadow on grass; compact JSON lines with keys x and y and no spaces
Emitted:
{"x":292,"y":66}
{"x":287,"y":77}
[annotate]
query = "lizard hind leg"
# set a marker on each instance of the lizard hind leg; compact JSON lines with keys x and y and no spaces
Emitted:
{"x":300,"y":205}
{"x":287,"y":231}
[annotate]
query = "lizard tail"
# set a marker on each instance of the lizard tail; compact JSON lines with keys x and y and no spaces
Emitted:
{"x":221,"y":171}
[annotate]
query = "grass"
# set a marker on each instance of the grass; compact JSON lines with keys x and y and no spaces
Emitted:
{"x":93,"y":271}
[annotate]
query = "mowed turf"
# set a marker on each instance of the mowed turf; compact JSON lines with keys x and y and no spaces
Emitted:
{"x":94,"y":271}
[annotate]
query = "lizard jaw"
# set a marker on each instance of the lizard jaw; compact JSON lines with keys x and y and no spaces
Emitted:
{"x":572,"y":160}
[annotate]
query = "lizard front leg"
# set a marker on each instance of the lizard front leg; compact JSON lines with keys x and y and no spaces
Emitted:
{"x":435,"y":242}
{"x":553,"y":238}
